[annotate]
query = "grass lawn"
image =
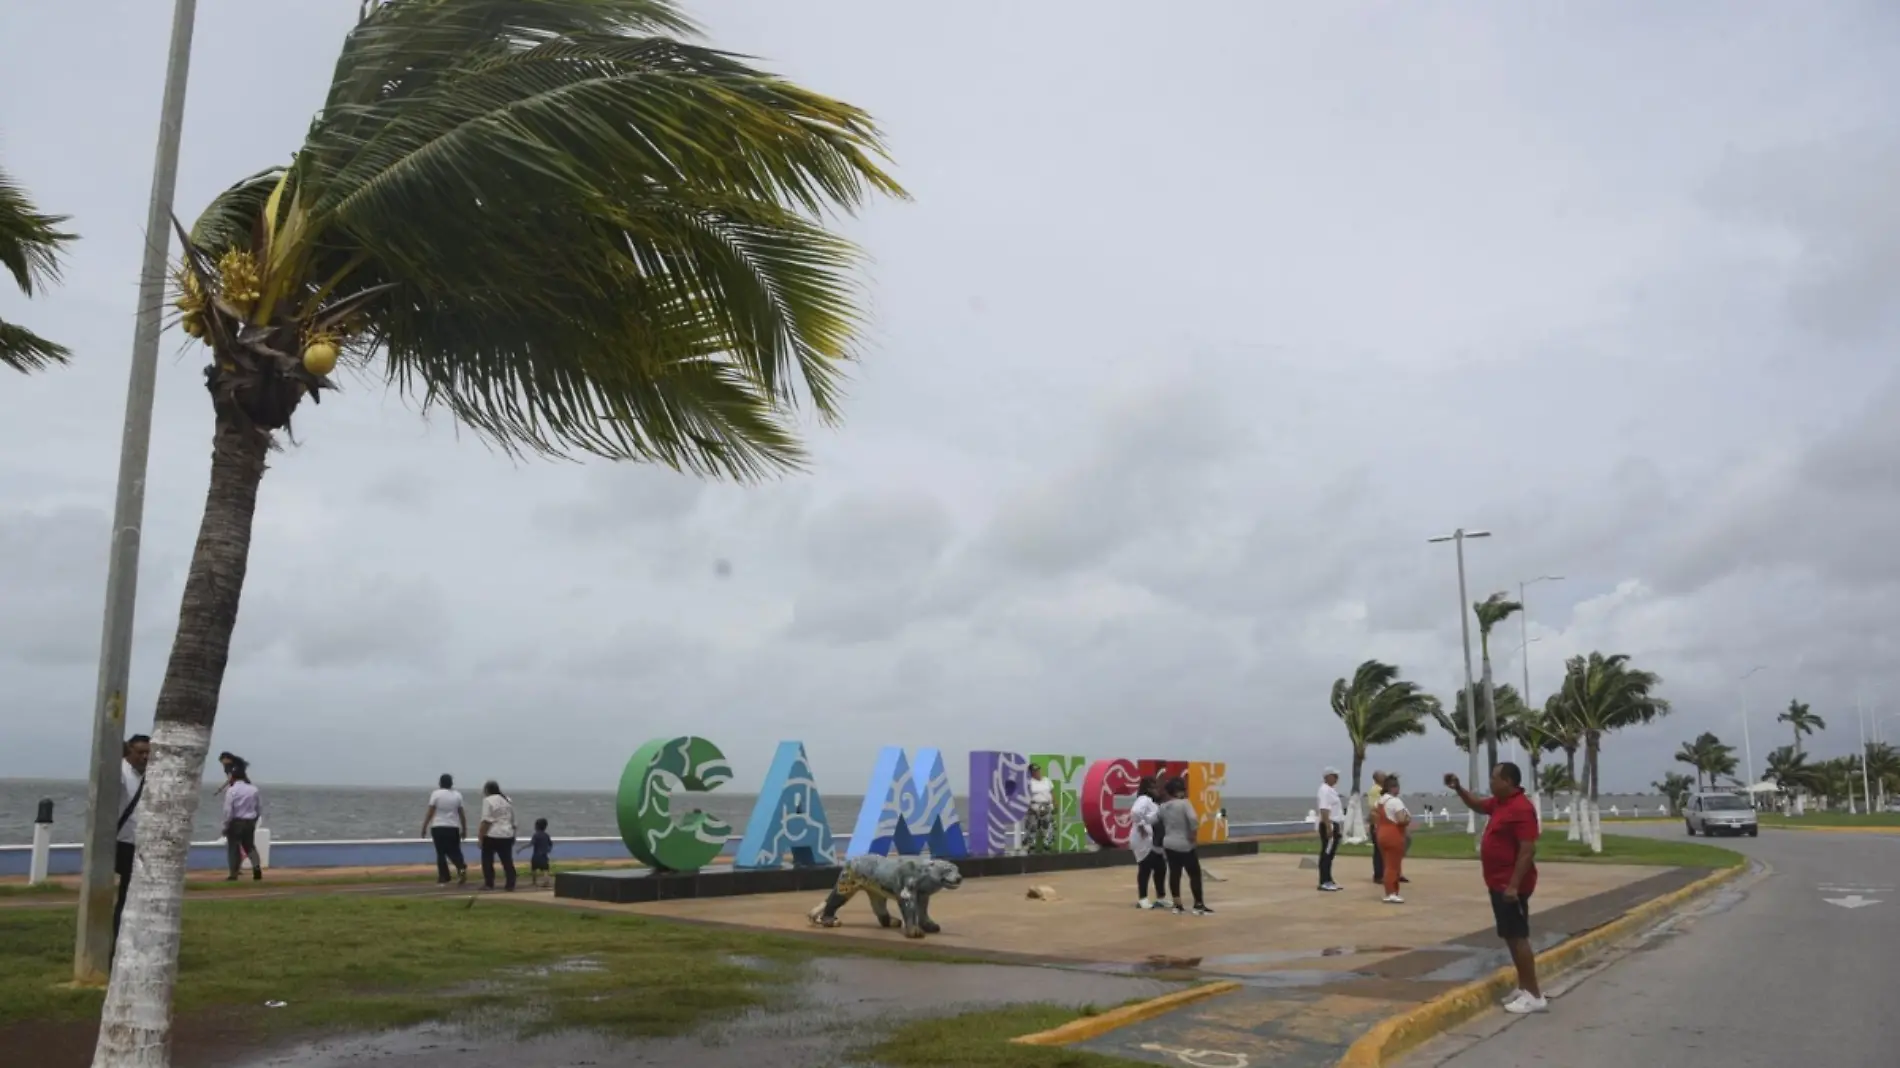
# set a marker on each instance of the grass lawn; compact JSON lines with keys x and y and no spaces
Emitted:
{"x":1452,"y":843}
{"x":373,"y":962}
{"x":1832,"y":819}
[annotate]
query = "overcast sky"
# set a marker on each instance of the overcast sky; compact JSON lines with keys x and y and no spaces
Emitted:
{"x":1197,"y":329}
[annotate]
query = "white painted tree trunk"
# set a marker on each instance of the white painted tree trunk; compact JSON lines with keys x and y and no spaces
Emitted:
{"x":1573,"y":818}
{"x":1596,"y":827}
{"x":135,"y":1024}
{"x":1355,"y":820}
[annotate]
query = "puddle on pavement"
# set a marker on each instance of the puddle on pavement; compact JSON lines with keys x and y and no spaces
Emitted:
{"x":830,"y":1006}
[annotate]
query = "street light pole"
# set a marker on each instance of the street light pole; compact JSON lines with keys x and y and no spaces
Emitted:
{"x":1748,"y":750}
{"x":1860,"y":717}
{"x":1523,"y":651}
{"x":1464,"y":625}
{"x":92,"y":953}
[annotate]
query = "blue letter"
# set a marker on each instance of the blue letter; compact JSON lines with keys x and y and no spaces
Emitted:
{"x":788,"y":818}
{"x":906,"y":808}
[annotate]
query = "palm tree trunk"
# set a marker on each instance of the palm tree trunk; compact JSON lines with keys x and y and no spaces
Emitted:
{"x":1354,"y":831}
{"x":1594,"y":828}
{"x":135,"y":1024}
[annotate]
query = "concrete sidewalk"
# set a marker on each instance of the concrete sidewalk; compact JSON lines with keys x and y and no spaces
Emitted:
{"x":1317,"y":969}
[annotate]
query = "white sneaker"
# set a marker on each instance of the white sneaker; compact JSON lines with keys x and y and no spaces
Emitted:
{"x":1527,"y":1004}
{"x":1516,"y":992}
{"x":1144,"y":903}
{"x":1394,"y":899}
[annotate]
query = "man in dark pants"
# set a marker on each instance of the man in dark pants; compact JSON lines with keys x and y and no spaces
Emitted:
{"x":1373,"y":798}
{"x":1508,"y":856}
{"x":138,"y":750}
{"x":1332,"y":823}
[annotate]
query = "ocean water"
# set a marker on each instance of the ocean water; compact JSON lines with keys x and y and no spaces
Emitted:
{"x":304,"y":813}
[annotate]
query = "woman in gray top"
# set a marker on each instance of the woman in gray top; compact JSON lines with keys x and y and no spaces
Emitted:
{"x":1179,"y":828}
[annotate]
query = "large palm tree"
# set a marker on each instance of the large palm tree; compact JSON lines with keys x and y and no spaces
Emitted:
{"x":1491,"y":611}
{"x":1604,"y":693}
{"x":1803,"y":721}
{"x":1378,"y":708}
{"x":1883,"y":768}
{"x":30,"y":244}
{"x":563,"y":222}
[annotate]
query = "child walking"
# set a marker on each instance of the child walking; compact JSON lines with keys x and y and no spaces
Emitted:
{"x":1179,"y":827}
{"x":541,"y":845}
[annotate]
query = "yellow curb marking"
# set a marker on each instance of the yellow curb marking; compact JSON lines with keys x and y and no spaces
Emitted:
{"x":1399,"y":1034}
{"x":1095,"y":1026}
{"x":1831,"y":829}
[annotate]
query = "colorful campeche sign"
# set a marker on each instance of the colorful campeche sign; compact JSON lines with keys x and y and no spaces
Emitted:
{"x":908,"y":805}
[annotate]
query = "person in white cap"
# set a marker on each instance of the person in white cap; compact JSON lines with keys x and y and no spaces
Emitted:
{"x":1332,"y":824}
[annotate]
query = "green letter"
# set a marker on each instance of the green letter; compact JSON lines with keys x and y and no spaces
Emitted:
{"x":644,"y":807}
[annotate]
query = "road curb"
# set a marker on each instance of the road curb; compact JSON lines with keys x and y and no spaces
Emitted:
{"x":1395,"y":1036}
{"x":1095,"y":1026}
{"x":1830,"y":830}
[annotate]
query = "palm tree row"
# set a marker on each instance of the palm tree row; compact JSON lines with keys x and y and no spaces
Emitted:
{"x":1836,"y":780}
{"x":1601,"y":693}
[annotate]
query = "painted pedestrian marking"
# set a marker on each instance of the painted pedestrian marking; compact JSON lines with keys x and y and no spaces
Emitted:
{"x":1853,"y":901}
{"x":1200,"y":1058}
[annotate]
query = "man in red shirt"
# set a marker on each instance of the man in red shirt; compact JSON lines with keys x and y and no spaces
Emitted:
{"x":1508,"y":856}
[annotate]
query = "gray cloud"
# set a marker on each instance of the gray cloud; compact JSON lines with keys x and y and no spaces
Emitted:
{"x":1160,"y":404}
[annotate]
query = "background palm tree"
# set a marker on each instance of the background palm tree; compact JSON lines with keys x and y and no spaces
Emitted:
{"x":1564,"y":733}
{"x":1676,"y":787}
{"x":1803,"y":721}
{"x":1491,"y":611}
{"x":1529,"y":728}
{"x":1454,"y":720}
{"x":1790,"y":770}
{"x":1378,"y":708}
{"x":1557,"y":779}
{"x":562,"y":222}
{"x":30,"y":244}
{"x":1708,"y":756}
{"x":1883,"y":769}
{"x":1604,"y":693}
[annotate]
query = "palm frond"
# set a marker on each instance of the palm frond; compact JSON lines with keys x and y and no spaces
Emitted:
{"x":594,"y":237}
{"x":30,"y":241}
{"x":1493,"y":610}
{"x":23,"y":350}
{"x":1377,"y":707}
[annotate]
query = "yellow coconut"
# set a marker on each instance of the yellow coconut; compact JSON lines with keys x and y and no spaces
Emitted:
{"x":319,"y":358}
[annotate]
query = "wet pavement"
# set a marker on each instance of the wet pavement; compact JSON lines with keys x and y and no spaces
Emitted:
{"x":1290,"y":1015}
{"x":831,"y":1007}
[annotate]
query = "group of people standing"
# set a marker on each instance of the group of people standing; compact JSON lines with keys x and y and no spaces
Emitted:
{"x":445,"y":822}
{"x":1507,"y":856}
{"x":1162,"y":833}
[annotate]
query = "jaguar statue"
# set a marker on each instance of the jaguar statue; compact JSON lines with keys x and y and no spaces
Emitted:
{"x":911,"y":880}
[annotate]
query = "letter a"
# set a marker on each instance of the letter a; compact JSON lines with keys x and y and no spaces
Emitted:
{"x":789,"y":818}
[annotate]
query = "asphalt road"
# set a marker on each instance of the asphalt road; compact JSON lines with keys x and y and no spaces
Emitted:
{"x":1770,"y":973}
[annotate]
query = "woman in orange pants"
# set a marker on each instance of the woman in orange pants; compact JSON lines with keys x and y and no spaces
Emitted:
{"x":1389,"y":822}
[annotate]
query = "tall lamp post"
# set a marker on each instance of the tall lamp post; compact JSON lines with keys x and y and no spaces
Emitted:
{"x":92,"y":952}
{"x":1524,"y":624}
{"x":1523,"y":650}
{"x":1860,"y":718}
{"x":1458,"y":537}
{"x":1748,"y":751}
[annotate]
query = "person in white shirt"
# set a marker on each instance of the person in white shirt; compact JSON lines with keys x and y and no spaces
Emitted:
{"x":243,"y":807}
{"x":446,"y":821}
{"x":1143,"y":817}
{"x":137,"y":750}
{"x":1039,"y":826}
{"x":1332,"y":824}
{"x":497,"y":832}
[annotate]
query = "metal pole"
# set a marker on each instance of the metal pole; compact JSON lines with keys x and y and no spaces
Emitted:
{"x":92,"y":954}
{"x":1860,"y":718}
{"x":1748,"y":750}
